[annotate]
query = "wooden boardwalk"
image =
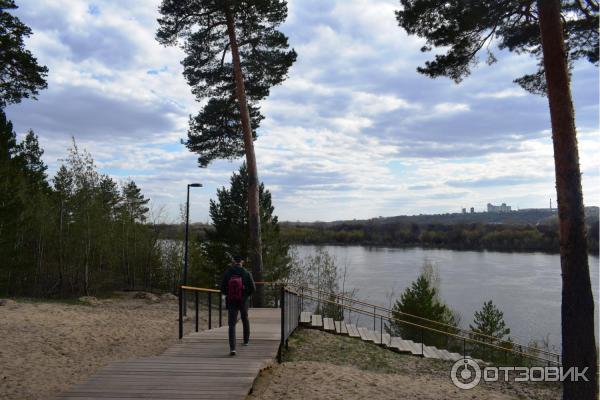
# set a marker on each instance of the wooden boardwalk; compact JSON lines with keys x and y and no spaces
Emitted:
{"x":198,"y":367}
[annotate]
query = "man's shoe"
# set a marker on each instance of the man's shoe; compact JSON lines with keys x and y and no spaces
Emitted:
{"x":232,"y":353}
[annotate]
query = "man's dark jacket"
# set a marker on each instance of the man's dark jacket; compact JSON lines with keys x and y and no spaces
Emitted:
{"x":236,"y":269}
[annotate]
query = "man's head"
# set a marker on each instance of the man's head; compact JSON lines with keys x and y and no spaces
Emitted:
{"x":239,"y":259}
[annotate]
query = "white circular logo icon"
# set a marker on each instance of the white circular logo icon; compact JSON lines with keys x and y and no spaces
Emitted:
{"x":465,"y":373}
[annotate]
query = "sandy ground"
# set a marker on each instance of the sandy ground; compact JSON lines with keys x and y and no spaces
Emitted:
{"x":47,"y":347}
{"x":324,"y":366}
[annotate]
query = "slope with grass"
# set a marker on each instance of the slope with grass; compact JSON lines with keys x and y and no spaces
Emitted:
{"x":320,"y":365}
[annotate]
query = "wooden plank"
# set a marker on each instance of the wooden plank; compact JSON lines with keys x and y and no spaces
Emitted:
{"x":198,"y":367}
{"x":416,"y":348}
{"x":376,"y":336}
{"x":366,"y":334}
{"x":328,"y":324}
{"x":450,"y":356}
{"x":400,"y":345}
{"x":352,"y":331}
{"x":411,"y":346}
{"x":455,"y":356}
{"x":431,"y":352}
{"x":316,"y":321}
{"x":340,"y":328}
{"x":386,"y":340}
{"x":305,"y":317}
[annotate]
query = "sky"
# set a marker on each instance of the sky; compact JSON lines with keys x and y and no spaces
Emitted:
{"x":354,"y":132}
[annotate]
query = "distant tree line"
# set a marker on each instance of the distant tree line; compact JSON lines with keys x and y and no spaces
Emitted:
{"x":77,"y":233}
{"x":474,"y":236}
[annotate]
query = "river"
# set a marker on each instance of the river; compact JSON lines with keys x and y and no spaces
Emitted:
{"x":525,"y":286}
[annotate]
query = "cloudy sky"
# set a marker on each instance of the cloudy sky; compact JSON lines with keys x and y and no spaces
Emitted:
{"x":354,"y":132}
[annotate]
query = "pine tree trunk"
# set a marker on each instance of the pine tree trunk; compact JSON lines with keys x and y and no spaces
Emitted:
{"x":253,"y":206}
{"x":578,"y":339}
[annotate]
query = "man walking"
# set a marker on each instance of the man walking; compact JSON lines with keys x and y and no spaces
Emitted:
{"x":237,"y":285}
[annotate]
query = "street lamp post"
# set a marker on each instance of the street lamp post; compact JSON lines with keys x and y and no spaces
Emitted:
{"x":187,"y":229}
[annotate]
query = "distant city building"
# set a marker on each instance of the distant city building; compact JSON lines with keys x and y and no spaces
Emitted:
{"x":464,"y":210}
{"x":472,"y":210}
{"x":501,"y":208}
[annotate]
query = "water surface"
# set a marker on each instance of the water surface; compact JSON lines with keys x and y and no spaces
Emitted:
{"x":525,"y":286}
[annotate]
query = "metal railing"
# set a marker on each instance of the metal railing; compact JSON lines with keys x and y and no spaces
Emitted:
{"x":290,"y":316}
{"x":183,"y":290}
{"x":456,"y":339}
{"x":288,"y":302}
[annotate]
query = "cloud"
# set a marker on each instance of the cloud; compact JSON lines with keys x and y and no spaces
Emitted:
{"x":496,"y":181}
{"x":354,"y":132}
{"x":450,"y":108}
{"x":90,"y":114}
{"x":503,"y":94}
{"x":419,"y":187}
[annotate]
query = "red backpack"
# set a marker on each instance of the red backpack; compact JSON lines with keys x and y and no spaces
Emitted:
{"x":235,"y":289}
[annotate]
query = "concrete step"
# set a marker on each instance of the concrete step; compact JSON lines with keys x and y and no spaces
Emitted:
{"x":305,"y":317}
{"x":340,"y":327}
{"x":328,"y":324}
{"x":316,"y":321}
{"x":386,"y":340}
{"x":352,"y":330}
{"x":366,"y":334}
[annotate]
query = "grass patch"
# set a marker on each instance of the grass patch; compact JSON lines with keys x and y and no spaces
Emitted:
{"x":313,"y":345}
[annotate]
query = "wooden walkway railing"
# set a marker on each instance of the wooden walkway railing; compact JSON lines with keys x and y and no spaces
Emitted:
{"x":198,"y":367}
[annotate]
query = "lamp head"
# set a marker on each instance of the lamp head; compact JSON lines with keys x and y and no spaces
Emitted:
{"x":195,"y":185}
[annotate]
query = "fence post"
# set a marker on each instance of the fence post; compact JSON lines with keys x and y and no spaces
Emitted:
{"x":196,"y":299}
{"x":282,"y":304}
{"x":288,"y":325}
{"x":381,"y":328}
{"x":464,"y":348}
{"x":180,"y":312}
{"x":422,"y":344}
{"x":220,"y":310}
{"x":209,"y":310}
{"x":374,"y":318}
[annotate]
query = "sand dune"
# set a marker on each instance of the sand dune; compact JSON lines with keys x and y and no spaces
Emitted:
{"x":47,"y":347}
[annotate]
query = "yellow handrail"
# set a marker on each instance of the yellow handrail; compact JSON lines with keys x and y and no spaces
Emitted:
{"x":197,"y":289}
{"x":479,"y":335}
{"x":441,"y":332}
{"x":468,"y":332}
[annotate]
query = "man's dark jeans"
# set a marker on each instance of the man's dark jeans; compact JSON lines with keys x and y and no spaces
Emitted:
{"x":233,"y":313}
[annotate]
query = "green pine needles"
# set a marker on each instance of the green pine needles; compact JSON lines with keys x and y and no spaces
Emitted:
{"x":466,"y":28}
{"x":201,"y":28}
{"x":20,"y":75}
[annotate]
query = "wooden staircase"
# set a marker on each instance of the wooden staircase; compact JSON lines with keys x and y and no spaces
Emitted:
{"x":394,"y":343}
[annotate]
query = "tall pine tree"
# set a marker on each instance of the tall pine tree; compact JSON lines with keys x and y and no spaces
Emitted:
{"x":556,"y":32}
{"x":235,"y":54}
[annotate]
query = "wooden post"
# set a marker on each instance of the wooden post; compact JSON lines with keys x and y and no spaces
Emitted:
{"x":197,"y":319}
{"x":220,"y":310}
{"x":180,"y":312}
{"x":209,"y":310}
